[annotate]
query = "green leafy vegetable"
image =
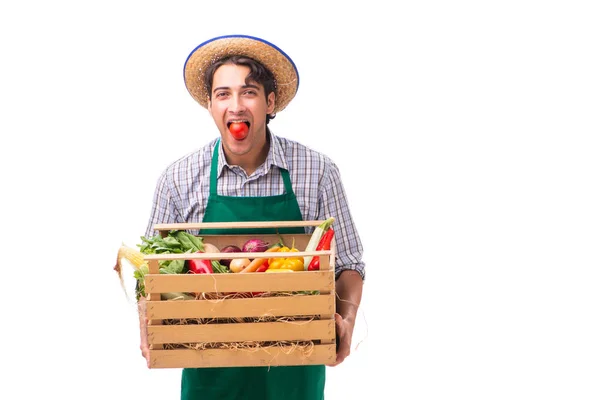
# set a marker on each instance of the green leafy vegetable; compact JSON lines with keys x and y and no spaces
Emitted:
{"x":175,"y":242}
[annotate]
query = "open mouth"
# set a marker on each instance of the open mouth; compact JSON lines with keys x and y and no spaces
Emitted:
{"x":241,"y":121}
{"x":238,"y":129}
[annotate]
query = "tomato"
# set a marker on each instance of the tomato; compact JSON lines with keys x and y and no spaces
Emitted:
{"x":200,"y":266}
{"x":239,"y":130}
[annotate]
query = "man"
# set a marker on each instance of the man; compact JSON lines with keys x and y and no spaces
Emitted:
{"x":249,"y":174}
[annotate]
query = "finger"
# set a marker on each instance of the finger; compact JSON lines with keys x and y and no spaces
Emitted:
{"x":338,"y":319}
{"x":343,"y":347}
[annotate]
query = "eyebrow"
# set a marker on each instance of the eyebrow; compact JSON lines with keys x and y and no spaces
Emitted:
{"x":243,"y":87}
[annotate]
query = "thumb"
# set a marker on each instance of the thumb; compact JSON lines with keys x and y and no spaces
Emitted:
{"x":338,"y":319}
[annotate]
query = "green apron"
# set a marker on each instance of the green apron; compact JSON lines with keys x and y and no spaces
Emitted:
{"x":252,"y":383}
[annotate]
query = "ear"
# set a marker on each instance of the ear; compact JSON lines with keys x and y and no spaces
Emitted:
{"x":270,"y":103}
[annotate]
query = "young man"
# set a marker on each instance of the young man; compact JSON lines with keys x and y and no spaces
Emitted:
{"x":249,"y":174}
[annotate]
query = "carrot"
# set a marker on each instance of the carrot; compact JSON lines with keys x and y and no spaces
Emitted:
{"x":257,"y":262}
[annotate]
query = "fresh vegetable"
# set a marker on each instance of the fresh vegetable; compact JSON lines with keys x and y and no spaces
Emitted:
{"x":293,"y":263}
{"x":218,"y":267}
{"x":135,"y":257}
{"x":255,"y":246}
{"x":238,"y":264}
{"x":136,"y":260}
{"x":210,"y":248}
{"x":239,"y":130}
{"x":200,"y":266}
{"x":324,"y":244}
{"x":280,"y":270}
{"x":229,"y":249}
{"x":262,"y":268}
{"x":315,"y":238}
{"x":176,"y":296}
{"x":176,"y":242}
{"x":257,"y":262}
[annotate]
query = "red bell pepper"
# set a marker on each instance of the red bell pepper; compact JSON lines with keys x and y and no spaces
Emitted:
{"x":198,"y":266}
{"x":262,"y":268}
{"x":324,"y":244}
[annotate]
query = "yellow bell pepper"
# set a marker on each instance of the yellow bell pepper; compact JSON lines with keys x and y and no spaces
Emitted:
{"x":276,"y":263}
{"x":291,"y":263}
{"x":294,"y":263}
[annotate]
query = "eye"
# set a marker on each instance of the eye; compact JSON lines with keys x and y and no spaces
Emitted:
{"x":221,"y":94}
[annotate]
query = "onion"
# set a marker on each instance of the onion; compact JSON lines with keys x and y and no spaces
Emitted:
{"x":255,"y":246}
{"x":238,"y":264}
{"x":228,"y":249}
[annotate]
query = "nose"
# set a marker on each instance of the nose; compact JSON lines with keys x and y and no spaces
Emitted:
{"x":237,"y":105}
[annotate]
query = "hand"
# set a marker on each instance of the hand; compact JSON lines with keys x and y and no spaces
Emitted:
{"x":144,"y":330}
{"x":344,"y":329}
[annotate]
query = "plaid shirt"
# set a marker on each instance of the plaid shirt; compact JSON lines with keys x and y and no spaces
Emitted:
{"x":182,"y":191}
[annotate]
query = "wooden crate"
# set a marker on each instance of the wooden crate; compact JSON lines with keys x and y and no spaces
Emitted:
{"x":298,"y":342}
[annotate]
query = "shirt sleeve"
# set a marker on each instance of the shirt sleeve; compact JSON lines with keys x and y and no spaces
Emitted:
{"x":163,"y":205}
{"x":334,"y":203}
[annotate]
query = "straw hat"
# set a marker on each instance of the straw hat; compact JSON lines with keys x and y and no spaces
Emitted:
{"x":271,"y":56}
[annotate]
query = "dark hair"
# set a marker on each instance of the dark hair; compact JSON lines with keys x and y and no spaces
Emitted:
{"x":258,"y":73}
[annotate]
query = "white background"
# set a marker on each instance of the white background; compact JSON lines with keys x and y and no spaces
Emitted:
{"x":466,"y":133}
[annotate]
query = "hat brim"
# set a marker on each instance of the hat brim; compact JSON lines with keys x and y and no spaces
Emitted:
{"x":273,"y":58}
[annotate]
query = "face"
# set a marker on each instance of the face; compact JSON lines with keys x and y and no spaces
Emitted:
{"x":232,"y":100}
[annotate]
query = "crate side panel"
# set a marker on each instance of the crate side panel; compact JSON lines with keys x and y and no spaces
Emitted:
{"x":241,"y":332}
{"x":239,"y":308}
{"x":270,"y":356}
{"x":252,"y":282}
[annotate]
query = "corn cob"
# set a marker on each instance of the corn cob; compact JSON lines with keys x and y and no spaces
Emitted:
{"x":134,"y":257}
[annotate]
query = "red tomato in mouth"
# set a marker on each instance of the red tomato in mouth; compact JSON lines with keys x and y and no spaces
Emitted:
{"x":239,"y":130}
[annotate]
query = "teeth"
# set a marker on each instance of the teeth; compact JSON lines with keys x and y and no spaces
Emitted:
{"x":238,"y":120}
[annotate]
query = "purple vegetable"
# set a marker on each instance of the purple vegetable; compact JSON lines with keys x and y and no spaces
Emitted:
{"x":229,"y":249}
{"x":255,"y":246}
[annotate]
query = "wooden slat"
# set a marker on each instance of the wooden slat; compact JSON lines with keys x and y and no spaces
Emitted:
{"x":238,"y":308}
{"x":235,"y":225}
{"x":242,"y":332}
{"x":251,"y":282}
{"x":219,"y":256}
{"x":153,"y":268}
{"x":299,"y":240}
{"x":270,"y":356}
